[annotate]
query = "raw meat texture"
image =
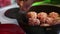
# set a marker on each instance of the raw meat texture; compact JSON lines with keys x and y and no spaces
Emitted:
{"x":53,"y":15}
{"x":56,"y":21}
{"x":42,"y":16}
{"x":34,"y":22}
{"x":32,"y":15}
{"x":49,"y":20}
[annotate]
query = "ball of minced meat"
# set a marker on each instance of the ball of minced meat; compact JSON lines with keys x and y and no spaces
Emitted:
{"x":32,"y":14}
{"x":49,"y":20}
{"x":42,"y":16}
{"x":53,"y":15}
{"x":33,"y":22}
{"x":56,"y":21}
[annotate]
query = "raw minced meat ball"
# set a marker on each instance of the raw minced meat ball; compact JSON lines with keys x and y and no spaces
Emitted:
{"x":32,"y":15}
{"x":33,"y":22}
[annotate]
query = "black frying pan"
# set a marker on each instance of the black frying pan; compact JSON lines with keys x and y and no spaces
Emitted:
{"x":37,"y":29}
{"x":45,"y":8}
{"x":12,"y":13}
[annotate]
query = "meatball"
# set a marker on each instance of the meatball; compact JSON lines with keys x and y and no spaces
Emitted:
{"x":33,"y":22}
{"x":42,"y":16}
{"x":32,"y":15}
{"x":53,"y":15}
{"x":56,"y":21}
{"x":49,"y":20}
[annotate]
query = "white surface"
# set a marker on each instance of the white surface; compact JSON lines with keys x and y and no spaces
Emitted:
{"x":13,"y":1}
{"x":6,"y":20}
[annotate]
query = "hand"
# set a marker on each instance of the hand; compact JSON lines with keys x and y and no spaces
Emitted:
{"x":26,"y":4}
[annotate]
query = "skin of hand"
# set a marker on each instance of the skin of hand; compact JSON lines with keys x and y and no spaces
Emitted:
{"x":26,"y":4}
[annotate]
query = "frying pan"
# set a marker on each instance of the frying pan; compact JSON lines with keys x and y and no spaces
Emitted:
{"x":12,"y":13}
{"x":22,"y":20}
{"x":37,"y":29}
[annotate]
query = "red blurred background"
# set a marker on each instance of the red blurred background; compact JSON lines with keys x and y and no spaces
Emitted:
{"x":4,"y":3}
